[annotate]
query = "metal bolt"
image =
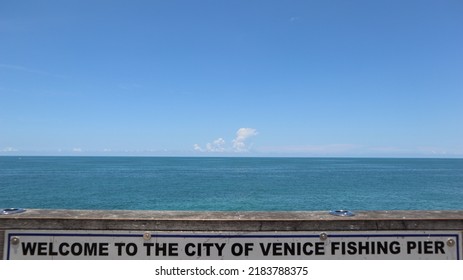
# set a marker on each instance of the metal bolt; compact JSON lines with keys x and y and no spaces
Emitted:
{"x":450,"y":242}
{"x":10,"y":211}
{"x":342,"y":213}
{"x":147,"y":236}
{"x":15,"y":240}
{"x":323,"y":236}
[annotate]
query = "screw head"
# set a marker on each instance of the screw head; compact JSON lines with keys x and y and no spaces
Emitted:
{"x":450,"y":242}
{"x":147,"y":235}
{"x":323,"y":236}
{"x":342,"y":213}
{"x":15,"y":240}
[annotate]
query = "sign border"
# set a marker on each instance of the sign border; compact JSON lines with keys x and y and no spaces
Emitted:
{"x":10,"y":234}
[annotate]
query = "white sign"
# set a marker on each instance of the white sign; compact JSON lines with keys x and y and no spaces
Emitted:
{"x":112,"y":245}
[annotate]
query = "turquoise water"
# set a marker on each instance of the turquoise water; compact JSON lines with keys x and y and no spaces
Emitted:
{"x":262,"y":184}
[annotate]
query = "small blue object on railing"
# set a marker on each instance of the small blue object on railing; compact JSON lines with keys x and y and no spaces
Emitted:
{"x":10,"y":211}
{"x":342,"y":213}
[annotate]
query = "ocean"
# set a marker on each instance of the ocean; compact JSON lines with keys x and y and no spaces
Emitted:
{"x":230,"y":183}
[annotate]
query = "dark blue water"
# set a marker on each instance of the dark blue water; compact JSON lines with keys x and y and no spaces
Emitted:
{"x":262,"y":184}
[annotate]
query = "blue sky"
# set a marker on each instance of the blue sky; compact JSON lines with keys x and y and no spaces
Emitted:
{"x":233,"y":78}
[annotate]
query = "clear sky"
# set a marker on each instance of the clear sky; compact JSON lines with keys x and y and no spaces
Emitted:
{"x":242,"y":77}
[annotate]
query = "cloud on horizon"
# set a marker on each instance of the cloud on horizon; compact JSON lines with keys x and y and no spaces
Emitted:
{"x":9,"y":150}
{"x":216,"y":145}
{"x":239,"y":144}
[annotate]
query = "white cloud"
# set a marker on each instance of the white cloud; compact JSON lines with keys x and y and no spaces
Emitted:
{"x":216,"y":145}
{"x":239,"y":143}
{"x":77,"y":150}
{"x":9,"y":150}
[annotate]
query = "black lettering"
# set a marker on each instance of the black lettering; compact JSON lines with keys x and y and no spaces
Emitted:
{"x":351,"y":248}
{"x":248,"y":248}
{"x":148,"y":248}
{"x":42,"y":249}
{"x":307,"y":252}
{"x":29,"y":248}
{"x":219,"y":248}
{"x":319,"y":248}
{"x":265,"y":248}
{"x":237,"y":249}
{"x":199,"y":251}
{"x":425,"y":247}
{"x":334,"y":247}
{"x":161,"y":249}
{"x":51,"y":252}
{"x":119,"y":246}
{"x":76,"y":249}
{"x":411,"y":245}
{"x":277,"y":247}
{"x":131,"y":249}
{"x":90,"y":249}
{"x":103,"y":249}
{"x":187,"y":249}
{"x":173,"y":249}
{"x":382,"y":248}
{"x":394,"y":247}
{"x":439,"y":249}
{"x":363,"y":247}
{"x":366,"y":248}
{"x":63,"y":249}
{"x":428,"y":248}
{"x":290,"y":248}
{"x":208,"y":246}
